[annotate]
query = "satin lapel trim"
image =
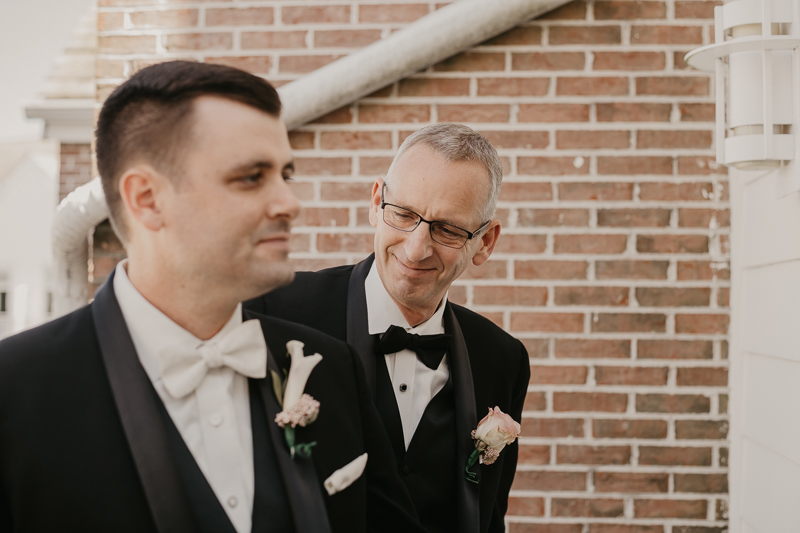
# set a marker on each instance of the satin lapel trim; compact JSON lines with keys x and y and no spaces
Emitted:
{"x":136,"y":404}
{"x":468,"y":494}
{"x":358,"y":322}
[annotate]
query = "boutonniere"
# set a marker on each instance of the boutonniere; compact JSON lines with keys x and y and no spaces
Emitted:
{"x":299,"y":408}
{"x":494,"y":432}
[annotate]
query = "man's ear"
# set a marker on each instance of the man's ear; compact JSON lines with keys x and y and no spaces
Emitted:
{"x":375,"y":202}
{"x":139,"y":188}
{"x":488,"y":242}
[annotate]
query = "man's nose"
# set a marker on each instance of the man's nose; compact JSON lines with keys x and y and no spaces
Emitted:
{"x":418,"y":243}
{"x":283,"y":202}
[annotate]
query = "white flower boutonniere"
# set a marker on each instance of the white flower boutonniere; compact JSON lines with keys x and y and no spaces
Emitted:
{"x":299,"y":409}
{"x":494,"y":432}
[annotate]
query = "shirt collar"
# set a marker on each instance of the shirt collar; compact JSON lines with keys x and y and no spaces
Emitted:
{"x":383,"y":312}
{"x":151,"y":330}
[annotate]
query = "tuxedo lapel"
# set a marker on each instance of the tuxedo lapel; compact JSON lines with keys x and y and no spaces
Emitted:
{"x":358,"y":322}
{"x":138,"y":409}
{"x":468,"y":494}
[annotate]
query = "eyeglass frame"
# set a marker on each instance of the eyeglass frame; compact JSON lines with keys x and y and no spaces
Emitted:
{"x":470,"y":234}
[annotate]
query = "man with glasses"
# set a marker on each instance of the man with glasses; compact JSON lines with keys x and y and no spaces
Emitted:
{"x":434,"y":367}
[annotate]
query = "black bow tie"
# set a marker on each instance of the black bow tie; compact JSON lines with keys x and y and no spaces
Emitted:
{"x":429,"y":348}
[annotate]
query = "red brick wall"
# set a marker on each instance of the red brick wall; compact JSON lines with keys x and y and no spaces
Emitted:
{"x":613,"y":262}
{"x":76,"y":167}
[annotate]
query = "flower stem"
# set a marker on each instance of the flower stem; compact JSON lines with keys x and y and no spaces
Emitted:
{"x":473,"y":458}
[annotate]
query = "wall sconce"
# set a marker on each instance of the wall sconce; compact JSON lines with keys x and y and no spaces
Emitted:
{"x":759,"y":38}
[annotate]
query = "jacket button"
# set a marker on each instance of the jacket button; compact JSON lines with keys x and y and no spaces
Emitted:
{"x":406,"y":470}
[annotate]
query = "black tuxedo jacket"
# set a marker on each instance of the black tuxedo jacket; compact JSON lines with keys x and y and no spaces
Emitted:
{"x":488,"y":368}
{"x":83,"y":445}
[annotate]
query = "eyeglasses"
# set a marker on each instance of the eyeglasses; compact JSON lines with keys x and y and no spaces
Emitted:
{"x":444,"y":234}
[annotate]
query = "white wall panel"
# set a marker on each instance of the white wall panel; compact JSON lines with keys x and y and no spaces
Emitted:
{"x":770,"y":489}
{"x":771,"y":226}
{"x":771,"y":312}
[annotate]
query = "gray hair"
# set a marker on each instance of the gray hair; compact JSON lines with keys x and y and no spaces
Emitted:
{"x":457,"y":142}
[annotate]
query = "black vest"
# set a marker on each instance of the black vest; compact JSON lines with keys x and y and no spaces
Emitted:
{"x":271,"y":510}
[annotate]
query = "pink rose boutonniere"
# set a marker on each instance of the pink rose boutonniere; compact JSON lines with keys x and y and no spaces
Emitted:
{"x":494,"y":432}
{"x":299,"y":408}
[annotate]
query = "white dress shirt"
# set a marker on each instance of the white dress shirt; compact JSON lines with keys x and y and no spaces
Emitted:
{"x":214,"y":420}
{"x":419,"y":382}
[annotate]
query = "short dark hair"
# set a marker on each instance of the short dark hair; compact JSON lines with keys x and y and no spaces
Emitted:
{"x":148,"y":118}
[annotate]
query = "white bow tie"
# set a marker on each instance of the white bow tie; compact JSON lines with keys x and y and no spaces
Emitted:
{"x":243,"y":349}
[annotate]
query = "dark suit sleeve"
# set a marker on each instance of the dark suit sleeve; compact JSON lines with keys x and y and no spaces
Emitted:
{"x":5,"y":512}
{"x":389,"y":506}
{"x":511,"y":452}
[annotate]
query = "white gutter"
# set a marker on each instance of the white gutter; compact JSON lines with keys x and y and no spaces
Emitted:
{"x":433,"y":38}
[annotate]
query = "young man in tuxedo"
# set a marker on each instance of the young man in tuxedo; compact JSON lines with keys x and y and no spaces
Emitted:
{"x":433,"y":216}
{"x":153,"y":408}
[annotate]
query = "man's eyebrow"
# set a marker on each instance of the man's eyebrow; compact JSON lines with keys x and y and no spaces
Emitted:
{"x":260,"y":164}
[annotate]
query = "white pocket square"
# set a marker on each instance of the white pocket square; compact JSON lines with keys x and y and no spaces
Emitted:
{"x":345,"y":476}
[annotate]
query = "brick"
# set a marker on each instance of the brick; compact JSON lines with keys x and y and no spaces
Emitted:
{"x":199,"y":41}
{"x":600,"y":191}
{"x":513,"y":86}
{"x":701,"y":429}
{"x":527,"y":244}
{"x":126,"y":44}
{"x":672,"y":403}
{"x":391,"y":13}
{"x":597,"y":402}
{"x":666,"y":35}
{"x":590,"y":244}
{"x":356,"y":140}
{"x":300,"y":242}
{"x":629,"y":61}
{"x":626,"y":10}
{"x":303,"y":191}
{"x":547,"y":61}
{"x":534,"y":455}
{"x":724,"y":297}
{"x":472,"y":62}
{"x":535,"y":401}
{"x":253,"y":64}
{"x":723,"y":456}
{"x":697,"y":112}
{"x":592,"y":86}
{"x":624,"y":375}
{"x":634,"y":165}
{"x":623,"y":269}
{"x":387,"y":113}
{"x":324,"y":166}
{"x":473,"y":113}
{"x":674,"y":456}
{"x":164,"y":18}
{"x":558,"y":375}
{"x":489,"y":270}
{"x":552,"y":427}
{"x":109,"y":68}
{"x":596,"y":507}
{"x":592,"y":139}
{"x":700,"y":165}
{"x":555,"y":322}
{"x":323,"y":216}
{"x":345,"y":242}
{"x":553,"y":113}
{"x":695,"y":9}
{"x":374,"y":166}
{"x":550,"y":269}
{"x":240,"y":16}
{"x":679,"y":61}
{"x":702,"y":270}
{"x":345,"y":38}
{"x":509,"y":295}
{"x":343,"y":115}
{"x":702,"y":377}
{"x":629,"y":112}
{"x":672,"y":86}
{"x":552,"y":217}
{"x":434,"y":87}
{"x":675,"y":349}
{"x":526,"y":191}
{"x":273,"y":39}
{"x":315,"y":14}
{"x":520,"y":35}
{"x":110,"y":21}
{"x":537,"y":348}
{"x":301,"y":140}
{"x":585,"y":35}
{"x":549,"y":481}
{"x":629,"y":322}
{"x":552,"y":166}
{"x":709,"y":324}
{"x":592,"y":349}
{"x":621,"y":528}
{"x":704,"y":218}
{"x":670,"y":508}
{"x":518,"y":139}
{"x":525,"y":506}
{"x":672,"y":192}
{"x":702,"y":483}
{"x":629,"y":429}
{"x":632,"y":218}
{"x":570,"y":11}
{"x":664,"y":139}
{"x":673,"y":297}
{"x":631,"y":482}
{"x":672,"y":244}
{"x":302,"y":64}
{"x":722,"y":510}
{"x":593,"y":455}
{"x":591,"y":296}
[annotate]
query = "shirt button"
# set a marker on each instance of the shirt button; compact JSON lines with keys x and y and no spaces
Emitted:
{"x":232,"y":501}
{"x":215,"y":419}
{"x":403,"y":387}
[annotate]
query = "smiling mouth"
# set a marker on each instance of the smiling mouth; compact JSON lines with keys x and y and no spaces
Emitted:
{"x":275,"y":239}
{"x":411,"y":271}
